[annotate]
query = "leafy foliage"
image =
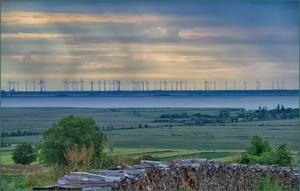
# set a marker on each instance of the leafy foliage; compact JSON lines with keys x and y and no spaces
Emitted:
{"x":24,"y":154}
{"x":258,"y":146}
{"x":68,"y":132}
{"x":264,"y":183}
{"x":260,"y":152}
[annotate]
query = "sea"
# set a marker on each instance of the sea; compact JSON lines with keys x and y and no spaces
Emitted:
{"x":247,"y":102}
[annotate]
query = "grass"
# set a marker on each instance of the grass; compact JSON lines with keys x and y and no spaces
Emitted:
{"x":39,"y":119}
{"x":204,"y":137}
{"x":6,"y":158}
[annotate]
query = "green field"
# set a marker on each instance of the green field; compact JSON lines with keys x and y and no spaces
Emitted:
{"x":39,"y":119}
{"x":165,"y":140}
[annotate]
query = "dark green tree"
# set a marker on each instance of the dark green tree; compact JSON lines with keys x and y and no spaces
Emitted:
{"x":68,"y":132}
{"x":258,"y":146}
{"x":24,"y":154}
{"x":283,"y":156}
{"x":260,"y":152}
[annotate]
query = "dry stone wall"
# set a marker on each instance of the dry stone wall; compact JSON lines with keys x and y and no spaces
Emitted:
{"x":189,"y":174}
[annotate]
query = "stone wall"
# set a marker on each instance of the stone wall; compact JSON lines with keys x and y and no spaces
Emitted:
{"x":190,"y":174}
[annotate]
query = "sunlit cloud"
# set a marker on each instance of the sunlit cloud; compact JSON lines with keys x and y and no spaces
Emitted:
{"x":98,"y":65}
{"x":159,"y":57}
{"x":35,"y":18}
{"x":34,"y":36}
{"x":234,"y":33}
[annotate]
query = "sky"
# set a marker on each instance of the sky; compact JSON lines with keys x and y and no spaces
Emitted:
{"x":191,"y":41}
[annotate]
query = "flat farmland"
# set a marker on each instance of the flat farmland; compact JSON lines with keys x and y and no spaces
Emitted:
{"x":205,"y":137}
{"x":39,"y":119}
{"x":138,"y":128}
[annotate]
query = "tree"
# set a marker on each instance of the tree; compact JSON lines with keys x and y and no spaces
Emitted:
{"x":68,"y":132}
{"x":24,"y":154}
{"x":283,"y":156}
{"x":258,"y":146}
{"x":260,"y":152}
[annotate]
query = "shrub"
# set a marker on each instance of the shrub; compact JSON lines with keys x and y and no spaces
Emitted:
{"x":24,"y":154}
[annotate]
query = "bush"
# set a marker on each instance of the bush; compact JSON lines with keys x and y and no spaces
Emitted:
{"x":258,"y":146}
{"x":24,"y":154}
{"x":264,"y":183}
{"x":68,"y":132}
{"x":260,"y":152}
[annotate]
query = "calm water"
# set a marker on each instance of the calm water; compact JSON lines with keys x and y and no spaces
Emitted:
{"x":248,"y":102}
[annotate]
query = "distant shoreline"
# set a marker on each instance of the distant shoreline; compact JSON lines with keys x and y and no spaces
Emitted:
{"x":214,"y":93}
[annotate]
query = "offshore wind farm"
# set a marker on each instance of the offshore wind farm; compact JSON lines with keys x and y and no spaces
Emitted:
{"x":116,"y":87}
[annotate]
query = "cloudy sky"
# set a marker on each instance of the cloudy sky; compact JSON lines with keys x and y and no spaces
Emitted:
{"x":192,"y":41}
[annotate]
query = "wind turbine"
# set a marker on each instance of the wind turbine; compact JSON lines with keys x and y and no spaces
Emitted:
{"x":119,"y":85}
{"x":92,"y":85}
{"x":245,"y":85}
{"x":206,"y":85}
{"x":257,"y":85}
{"x":133,"y":85}
{"x":13,"y":83}
{"x":9,"y":85}
{"x":165,"y":85}
{"x":272,"y":85}
{"x":176,"y":85}
{"x":81,"y":84}
{"x":278,"y":85}
{"x":41,"y":85}
{"x":185,"y":84}
{"x":65,"y":82}
{"x":26,"y":82}
{"x":147,"y":85}
{"x":104,"y":85}
{"x":113,"y":85}
{"x":234,"y":85}
{"x":143,"y":83}
{"x":180,"y":85}
{"x":226,"y":83}
{"x":18,"y":85}
{"x":33,"y":85}
{"x":283,"y":82}
{"x":154,"y":85}
{"x":76,"y":85}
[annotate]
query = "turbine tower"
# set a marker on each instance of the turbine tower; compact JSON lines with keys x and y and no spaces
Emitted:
{"x":18,"y":85}
{"x":9,"y":85}
{"x":272,"y":85}
{"x":92,"y":85}
{"x":66,"y":83}
{"x":26,"y":83}
{"x":245,"y":85}
{"x":226,"y":83}
{"x":206,"y":85}
{"x":257,"y":85}
{"x":283,"y":82}
{"x":104,"y":85}
{"x":234,"y":85}
{"x":81,"y":84}
{"x":33,"y":85}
